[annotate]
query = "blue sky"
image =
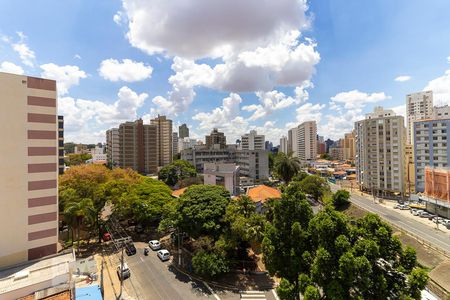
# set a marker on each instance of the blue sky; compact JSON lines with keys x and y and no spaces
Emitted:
{"x":235,"y":65}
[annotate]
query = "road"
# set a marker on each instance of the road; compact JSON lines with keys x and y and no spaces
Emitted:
{"x":153,"y":279}
{"x":430,"y":235}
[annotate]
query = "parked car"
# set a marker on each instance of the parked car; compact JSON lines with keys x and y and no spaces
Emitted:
{"x":416,"y":212}
{"x":154,"y":244}
{"x":125,"y":272}
{"x":130,"y":249}
{"x":431,"y":216}
{"x":424,"y":214}
{"x":163,"y":254}
{"x":401,"y":206}
{"x":446,"y":222}
{"x":438,"y":220}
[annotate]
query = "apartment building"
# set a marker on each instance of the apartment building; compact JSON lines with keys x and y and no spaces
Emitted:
{"x":283,"y":145}
{"x":349,"y":146}
{"x":164,"y":140}
{"x":441,"y":112}
{"x":174,"y":143}
{"x":380,"y":147}
{"x":252,"y":163}
{"x":292,"y":141}
{"x":430,"y":147}
{"x":29,"y":169}
{"x":336,"y":153}
{"x":183,"y":131}
{"x":252,"y":141}
{"x":60,"y":145}
{"x":216,"y":139}
{"x":112,"y":146}
{"x":138,"y":147}
{"x":186,"y":143}
{"x":224,"y":174}
{"x":307,"y":141}
{"x":419,"y":106}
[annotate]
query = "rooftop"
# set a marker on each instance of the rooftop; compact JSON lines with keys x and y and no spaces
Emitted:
{"x":262,"y":192}
{"x":178,"y":193}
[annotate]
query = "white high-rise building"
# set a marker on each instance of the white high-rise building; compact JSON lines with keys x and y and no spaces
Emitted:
{"x":380,"y":153}
{"x":186,"y":143}
{"x":283,"y":145}
{"x":252,"y":141}
{"x":302,"y":141}
{"x":441,"y":112}
{"x":419,"y":106}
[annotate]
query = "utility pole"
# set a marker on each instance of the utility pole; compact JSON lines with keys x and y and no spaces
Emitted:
{"x":179,"y":248}
{"x":435,"y":212}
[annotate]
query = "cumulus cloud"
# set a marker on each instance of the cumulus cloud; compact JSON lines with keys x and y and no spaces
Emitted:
{"x":10,"y":67}
{"x":127,"y":70}
{"x":309,"y":112}
{"x":209,"y":28}
{"x":402,"y":78}
{"x":117,"y":18}
{"x":65,"y":76}
{"x":356,"y":99}
{"x":441,"y":88}
{"x":83,"y":117}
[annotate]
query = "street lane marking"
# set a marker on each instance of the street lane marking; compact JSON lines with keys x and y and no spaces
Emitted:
{"x":275,"y":294}
{"x":211,"y":290}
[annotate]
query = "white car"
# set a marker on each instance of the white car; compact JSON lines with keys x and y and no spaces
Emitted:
{"x":154,"y":244}
{"x":125,"y":271}
{"x":163,"y":254}
{"x":416,"y":212}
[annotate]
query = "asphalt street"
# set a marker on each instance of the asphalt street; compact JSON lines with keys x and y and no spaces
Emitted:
{"x":432,"y":236}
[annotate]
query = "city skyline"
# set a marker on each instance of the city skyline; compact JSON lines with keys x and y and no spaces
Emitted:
{"x":322,"y":68}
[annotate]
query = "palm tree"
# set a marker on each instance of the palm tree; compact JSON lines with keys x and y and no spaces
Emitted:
{"x":76,"y":211}
{"x":286,"y":166}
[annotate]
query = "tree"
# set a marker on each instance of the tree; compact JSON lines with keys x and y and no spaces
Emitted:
{"x":286,"y":166}
{"x":341,"y":199}
{"x":315,"y":186}
{"x":417,"y":281}
{"x":325,"y":156}
{"x":286,"y":240}
{"x":178,"y":170}
{"x":311,"y":293}
{"x":76,"y":159}
{"x":200,"y":210}
{"x":209,"y":264}
{"x":77,"y":211}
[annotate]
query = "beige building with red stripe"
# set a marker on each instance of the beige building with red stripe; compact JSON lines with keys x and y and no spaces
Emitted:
{"x":28,"y":168}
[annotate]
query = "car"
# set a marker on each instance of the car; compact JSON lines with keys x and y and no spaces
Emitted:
{"x":163,"y":254}
{"x":438,"y":220}
{"x":154,"y":244}
{"x":431,"y":216}
{"x":424,"y":214}
{"x":130,"y":249}
{"x":416,"y":212}
{"x":106,"y":236}
{"x":401,"y":207}
{"x":126,"y":273}
{"x":445,"y":222}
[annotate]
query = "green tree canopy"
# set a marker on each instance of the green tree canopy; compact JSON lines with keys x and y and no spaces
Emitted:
{"x":341,"y":199}
{"x":178,"y":170}
{"x":286,"y":166}
{"x":315,"y":186}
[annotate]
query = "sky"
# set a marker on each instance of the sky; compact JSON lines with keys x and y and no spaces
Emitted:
{"x":235,"y":65}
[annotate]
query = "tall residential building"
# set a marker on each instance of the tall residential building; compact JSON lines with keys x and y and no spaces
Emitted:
{"x":60,"y":145}
{"x":380,"y":148}
{"x":174,"y":143}
{"x":349,"y":146}
{"x":419,"y":106}
{"x":112,"y":146}
{"x":186,"y":143}
{"x":252,"y":141}
{"x":216,"y":138}
{"x":283,"y":145}
{"x":29,"y":168}
{"x":292,"y":141}
{"x":138,"y":147}
{"x":430,"y":147}
{"x":441,"y":112}
{"x":183,"y":131}
{"x":164,"y":137}
{"x":307,"y":141}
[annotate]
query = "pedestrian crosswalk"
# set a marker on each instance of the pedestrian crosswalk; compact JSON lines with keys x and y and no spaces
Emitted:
{"x":253,"y":295}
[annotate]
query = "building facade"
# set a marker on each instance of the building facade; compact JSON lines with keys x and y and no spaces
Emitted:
{"x":441,"y":112}
{"x":112,"y":146}
{"x":430,"y":147}
{"x":380,"y":147}
{"x":174,"y":143}
{"x":349,"y":146}
{"x":164,"y":140}
{"x":307,"y":141}
{"x":216,"y":139}
{"x":29,"y":169}
{"x":60,"y":145}
{"x":419,"y":106}
{"x":224,"y":174}
{"x":183,"y":131}
{"x":252,"y":141}
{"x":283,"y":145}
{"x":292,"y":141}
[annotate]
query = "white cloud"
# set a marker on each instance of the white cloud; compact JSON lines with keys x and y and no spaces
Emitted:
{"x":87,"y":120}
{"x":448,"y":59}
{"x":127,"y":70}
{"x":275,"y":100}
{"x":210,"y":28}
{"x":400,"y":110}
{"x":356,"y":99}
{"x":441,"y":89}
{"x":309,"y":112}
{"x":118,"y":18}
{"x":9,"y":67}
{"x":337,"y":124}
{"x":66,"y":76}
{"x":26,"y":54}
{"x":77,"y":56}
{"x":402,"y":78}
